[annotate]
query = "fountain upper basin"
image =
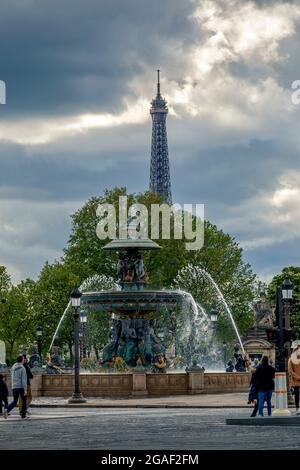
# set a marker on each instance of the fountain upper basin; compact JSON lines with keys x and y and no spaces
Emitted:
{"x":131,"y":301}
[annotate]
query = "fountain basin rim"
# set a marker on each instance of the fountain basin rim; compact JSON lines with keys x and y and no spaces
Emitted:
{"x":119,"y":244}
{"x":131,"y":301}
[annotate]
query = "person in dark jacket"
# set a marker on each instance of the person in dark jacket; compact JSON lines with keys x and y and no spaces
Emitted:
{"x":252,"y":396}
{"x":29,"y":392}
{"x":3,"y":396}
{"x":264,"y":385}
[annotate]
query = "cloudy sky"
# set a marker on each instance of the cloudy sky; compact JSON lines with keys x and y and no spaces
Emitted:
{"x":80,"y":75}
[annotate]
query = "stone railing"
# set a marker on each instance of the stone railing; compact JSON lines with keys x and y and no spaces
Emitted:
{"x":36,"y":384}
{"x":92,"y":385}
{"x":140,"y":384}
{"x":226,"y":382}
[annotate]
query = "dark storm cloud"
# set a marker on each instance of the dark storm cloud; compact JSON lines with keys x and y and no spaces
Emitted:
{"x":42,"y":177}
{"x":62,"y":57}
{"x":233,"y":174}
{"x":45,"y":176}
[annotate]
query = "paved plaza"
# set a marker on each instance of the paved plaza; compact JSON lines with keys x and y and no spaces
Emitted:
{"x":141,"y":428}
{"x":227,"y":400}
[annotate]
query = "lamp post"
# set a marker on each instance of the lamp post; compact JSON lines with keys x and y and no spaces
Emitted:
{"x":77,"y":396}
{"x":83,"y":320}
{"x":213,"y":319}
{"x":287,"y":290}
{"x":283,"y":295}
{"x":39,"y":334}
{"x":287,"y":295}
{"x":80,"y":344}
{"x":213,"y":315}
{"x":225,"y":353}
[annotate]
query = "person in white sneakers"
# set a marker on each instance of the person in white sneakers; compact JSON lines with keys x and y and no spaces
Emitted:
{"x":18,"y":385}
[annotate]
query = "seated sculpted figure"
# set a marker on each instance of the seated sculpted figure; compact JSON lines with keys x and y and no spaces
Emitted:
{"x":159,"y":365}
{"x":35,"y":358}
{"x":230,"y":366}
{"x":50,"y":367}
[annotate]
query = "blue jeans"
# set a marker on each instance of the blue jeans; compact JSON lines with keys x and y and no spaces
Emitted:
{"x":262,"y":397}
{"x":16,"y":393}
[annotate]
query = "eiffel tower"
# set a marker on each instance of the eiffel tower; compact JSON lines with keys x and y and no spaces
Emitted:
{"x":160,"y":181}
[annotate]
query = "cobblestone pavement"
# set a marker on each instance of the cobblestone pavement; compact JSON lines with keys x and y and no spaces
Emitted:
{"x":152,"y":428}
{"x":218,"y":400}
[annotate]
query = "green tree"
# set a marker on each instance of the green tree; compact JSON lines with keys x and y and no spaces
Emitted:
{"x":43,"y":303}
{"x":83,"y":252}
{"x":5,"y":282}
{"x":51,"y":297}
{"x":17,"y":317}
{"x":221,"y":256}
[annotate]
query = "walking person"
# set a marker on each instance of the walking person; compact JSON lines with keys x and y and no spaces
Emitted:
{"x":264,"y":385}
{"x":18,"y":385}
{"x":29,"y":392}
{"x":294,"y":371}
{"x":3,"y":396}
{"x":252,"y":396}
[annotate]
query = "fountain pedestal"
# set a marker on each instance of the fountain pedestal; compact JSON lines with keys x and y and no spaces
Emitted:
{"x":195,"y":382}
{"x":139,"y":383}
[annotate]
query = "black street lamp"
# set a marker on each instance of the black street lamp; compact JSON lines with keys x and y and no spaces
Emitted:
{"x":287,"y":296}
{"x":283,"y":297}
{"x":80,"y":343}
{"x":77,"y":396}
{"x":83,"y":320}
{"x":39,"y":334}
{"x":287,"y":290}
{"x":225,"y":353}
{"x":213,"y":315}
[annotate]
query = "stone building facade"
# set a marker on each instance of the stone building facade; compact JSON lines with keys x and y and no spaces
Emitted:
{"x":255,"y":340}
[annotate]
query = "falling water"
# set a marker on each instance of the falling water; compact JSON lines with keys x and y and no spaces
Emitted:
{"x":195,"y":307}
{"x":97,"y":283}
{"x":190,"y":301}
{"x":221,"y":296}
{"x":190,"y":275}
{"x":193,"y":332}
{"x":199,"y":306}
{"x":59,"y":323}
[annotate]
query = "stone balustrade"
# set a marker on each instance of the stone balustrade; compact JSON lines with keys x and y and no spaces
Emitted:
{"x":140,"y":384}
